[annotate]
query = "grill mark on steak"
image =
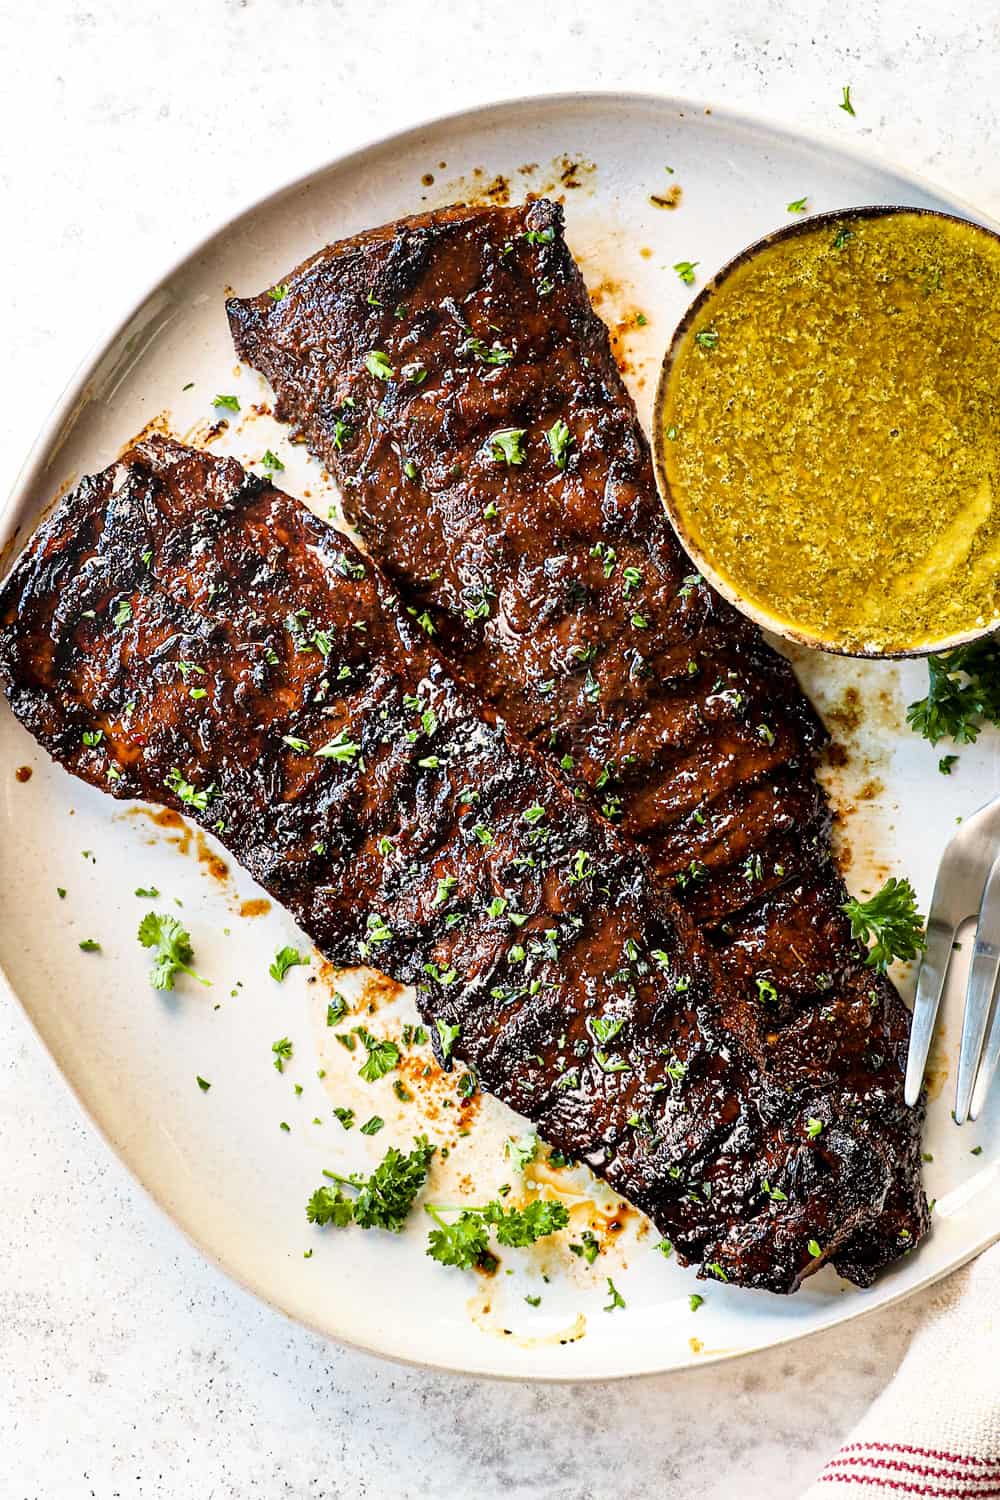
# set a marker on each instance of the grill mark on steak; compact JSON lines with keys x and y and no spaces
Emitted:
{"x":174,"y":557}
{"x":564,"y":598}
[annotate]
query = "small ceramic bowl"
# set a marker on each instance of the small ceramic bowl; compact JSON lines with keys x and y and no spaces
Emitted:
{"x":697,"y":310}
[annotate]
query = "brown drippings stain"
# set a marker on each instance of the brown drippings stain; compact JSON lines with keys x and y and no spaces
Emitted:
{"x":837,"y":755}
{"x":205,"y":432}
{"x":379,"y":990}
{"x":562,"y":175}
{"x":846,"y":714}
{"x":255,"y":907}
{"x":158,"y":425}
{"x":498,"y":191}
{"x":435,"y":1091}
{"x":872,"y":788}
{"x":165,"y":817}
{"x":215,"y":866}
{"x":669,"y":199}
{"x":23,"y":773}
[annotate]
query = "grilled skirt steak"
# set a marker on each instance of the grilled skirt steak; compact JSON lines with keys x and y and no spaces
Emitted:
{"x":450,"y":371}
{"x":405,"y":826}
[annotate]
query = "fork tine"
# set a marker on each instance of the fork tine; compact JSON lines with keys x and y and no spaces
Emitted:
{"x":987,"y":1068}
{"x":930,"y":983}
{"x":979,"y":992}
{"x":988,"y":935}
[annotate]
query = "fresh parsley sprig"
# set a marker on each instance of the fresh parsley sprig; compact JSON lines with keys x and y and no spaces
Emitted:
{"x":383,"y":1200}
{"x":963,"y":693}
{"x":172,"y":951}
{"x":889,"y":921}
{"x":464,"y":1242}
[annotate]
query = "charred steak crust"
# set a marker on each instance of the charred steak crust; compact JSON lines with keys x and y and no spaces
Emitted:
{"x":403,"y":824}
{"x":431,"y":364}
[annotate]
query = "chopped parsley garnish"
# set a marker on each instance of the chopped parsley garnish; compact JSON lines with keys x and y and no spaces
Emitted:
{"x":384,"y":1199}
{"x":560,"y":440}
{"x":695,"y":1301}
{"x":285,"y":959}
{"x":172,"y":951}
{"x":464,"y":1242}
{"x":448,"y":1035}
{"x":383,"y":1056}
{"x":122,"y":614}
{"x":814,"y":1247}
{"x":685,"y":270}
{"x":89,"y":945}
{"x":188,"y":793}
{"x":506,"y":446}
{"x":617,"y":1300}
{"x":539,"y":236}
{"x":271,"y":461}
{"x":147,"y":894}
{"x":92,"y":737}
{"x":797,"y":206}
{"x":814,"y":1127}
{"x":231,"y":403}
{"x":341,"y":748}
{"x":707,"y":338}
{"x":845,"y":102}
{"x":521,"y":1150}
{"x":282,"y":1053}
{"x":344,"y":1115}
{"x":495,"y":355}
{"x":590,"y":1247}
{"x":278,"y":293}
{"x":947,"y":763}
{"x":890,"y":921}
{"x":377,"y":364}
{"x":963,"y":693}
{"x":373,"y":1126}
{"x":202,"y":1083}
{"x":336,"y":1010}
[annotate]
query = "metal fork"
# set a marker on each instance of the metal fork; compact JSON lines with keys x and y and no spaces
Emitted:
{"x":968,"y":882}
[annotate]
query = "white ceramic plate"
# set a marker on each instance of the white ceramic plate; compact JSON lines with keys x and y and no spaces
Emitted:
{"x":218,"y":1162}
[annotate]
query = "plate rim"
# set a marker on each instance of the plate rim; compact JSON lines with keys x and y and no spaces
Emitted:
{"x":45,"y":445}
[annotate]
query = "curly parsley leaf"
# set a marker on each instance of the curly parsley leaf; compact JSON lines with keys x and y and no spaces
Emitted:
{"x":384,"y":1199}
{"x":330,"y":1206}
{"x":282,"y":1053}
{"x":521,"y":1151}
{"x":464,"y":1241}
{"x":507,"y":445}
{"x":449,"y":1035}
{"x":172,"y":951}
{"x":383,"y":1056}
{"x":285,"y":959}
{"x":617,"y":1300}
{"x":889,"y":921}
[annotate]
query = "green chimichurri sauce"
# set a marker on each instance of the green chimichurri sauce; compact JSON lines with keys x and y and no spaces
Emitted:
{"x":832,"y":431}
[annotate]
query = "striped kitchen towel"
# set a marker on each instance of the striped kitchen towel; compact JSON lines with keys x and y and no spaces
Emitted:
{"x":935,"y":1430}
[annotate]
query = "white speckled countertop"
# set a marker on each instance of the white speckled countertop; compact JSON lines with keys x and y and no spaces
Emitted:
{"x":128,"y":1366}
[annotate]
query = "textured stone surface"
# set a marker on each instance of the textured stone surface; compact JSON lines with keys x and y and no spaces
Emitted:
{"x":128,"y":1366}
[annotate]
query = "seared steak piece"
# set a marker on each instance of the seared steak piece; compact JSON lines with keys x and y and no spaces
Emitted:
{"x":450,"y":371}
{"x":180,"y":631}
